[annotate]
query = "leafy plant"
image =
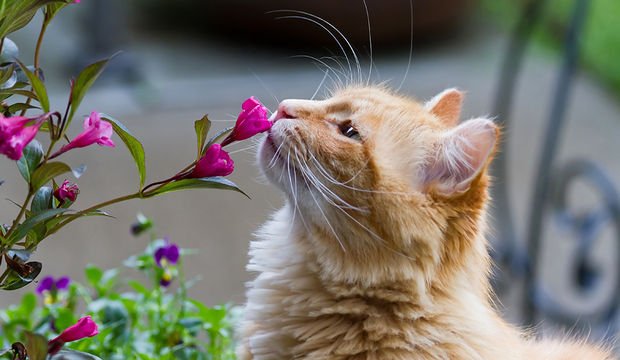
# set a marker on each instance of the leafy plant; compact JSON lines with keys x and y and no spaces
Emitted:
{"x":149,"y":318}
{"x":48,"y":207}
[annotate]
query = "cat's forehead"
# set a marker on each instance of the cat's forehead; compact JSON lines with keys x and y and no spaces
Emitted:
{"x":359,"y":100}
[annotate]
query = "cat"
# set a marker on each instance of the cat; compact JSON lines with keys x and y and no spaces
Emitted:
{"x":380,"y":249}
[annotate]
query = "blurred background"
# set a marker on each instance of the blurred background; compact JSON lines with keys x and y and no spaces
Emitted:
{"x":183,"y":59}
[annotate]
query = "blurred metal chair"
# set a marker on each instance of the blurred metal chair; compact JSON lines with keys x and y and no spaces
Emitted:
{"x":520,"y":260}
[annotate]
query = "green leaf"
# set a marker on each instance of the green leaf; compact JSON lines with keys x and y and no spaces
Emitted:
{"x":37,"y":86}
{"x":47,"y":172}
{"x":36,"y":345}
{"x":133,"y":145}
{"x":218,"y":136}
{"x":17,"y":107}
{"x":6,"y":72}
{"x":93,"y":275}
{"x":73,"y":355}
{"x":42,"y":200}
{"x":23,"y":228}
{"x":83,"y":82}
{"x":33,"y":153}
{"x":202,"y":127}
{"x":216,"y":182}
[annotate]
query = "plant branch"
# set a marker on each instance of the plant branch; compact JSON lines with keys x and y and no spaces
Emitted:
{"x":94,"y":207}
{"x":37,"y":53}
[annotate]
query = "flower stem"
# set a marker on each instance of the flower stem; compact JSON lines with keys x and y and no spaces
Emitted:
{"x":37,"y":53}
{"x":22,"y":211}
{"x":94,"y":207}
{"x":161,"y":183}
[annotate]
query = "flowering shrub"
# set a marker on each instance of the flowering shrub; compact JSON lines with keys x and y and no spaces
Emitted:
{"x":147,"y":319}
{"x":25,"y":115}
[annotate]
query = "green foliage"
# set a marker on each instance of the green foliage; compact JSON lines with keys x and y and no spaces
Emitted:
{"x":137,"y":317}
{"x":600,"y":39}
{"x":133,"y":145}
{"x":216,"y":182}
{"x":83,"y":82}
{"x":33,"y":153}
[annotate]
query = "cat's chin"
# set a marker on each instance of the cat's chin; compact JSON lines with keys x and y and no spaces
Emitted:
{"x":275,"y":167}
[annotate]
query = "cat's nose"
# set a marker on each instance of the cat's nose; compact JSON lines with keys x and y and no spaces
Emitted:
{"x":285,"y":111}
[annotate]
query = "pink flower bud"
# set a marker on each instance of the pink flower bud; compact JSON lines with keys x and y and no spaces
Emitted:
{"x":15,"y":135}
{"x":95,"y":131}
{"x":252,"y":120}
{"x":215,"y":162}
{"x":85,"y":327}
{"x":66,"y":191}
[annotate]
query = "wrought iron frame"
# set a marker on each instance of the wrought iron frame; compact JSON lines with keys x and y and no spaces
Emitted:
{"x":550,"y":193}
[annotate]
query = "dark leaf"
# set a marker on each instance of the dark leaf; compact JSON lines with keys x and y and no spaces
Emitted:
{"x":33,"y":153}
{"x":14,"y":280}
{"x":133,"y":145}
{"x":47,"y":172}
{"x":215,"y":182}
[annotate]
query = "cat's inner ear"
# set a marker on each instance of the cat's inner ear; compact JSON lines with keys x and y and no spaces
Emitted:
{"x":446,"y":106}
{"x":460,"y":156}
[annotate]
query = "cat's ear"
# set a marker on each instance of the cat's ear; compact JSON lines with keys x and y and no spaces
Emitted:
{"x":446,"y":106}
{"x":459,"y":157}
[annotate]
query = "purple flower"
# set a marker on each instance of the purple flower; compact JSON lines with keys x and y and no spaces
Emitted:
{"x":66,"y":191}
{"x":252,"y":120}
{"x":95,"y":131}
{"x":15,"y":134}
{"x":166,"y":257}
{"x":49,"y":284}
{"x":167,"y":254}
{"x":215,"y":162}
{"x":85,"y":327}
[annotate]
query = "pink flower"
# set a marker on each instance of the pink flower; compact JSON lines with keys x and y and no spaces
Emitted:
{"x":66,"y":191}
{"x":252,"y":120}
{"x":95,"y":131}
{"x":85,"y":327}
{"x":15,"y":134}
{"x":215,"y":162}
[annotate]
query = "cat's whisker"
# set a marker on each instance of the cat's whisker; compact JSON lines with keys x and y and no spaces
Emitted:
{"x":331,"y":179}
{"x":356,"y":58}
{"x":320,"y":85}
{"x":321,"y":62}
{"x":253,"y":146}
{"x":325,"y":218}
{"x":275,"y":156}
{"x":262,"y":83}
{"x":306,"y":170}
{"x":306,"y":18}
{"x":222,"y":120}
{"x":402,"y":82}
{"x":369,"y":42}
{"x":329,"y":195}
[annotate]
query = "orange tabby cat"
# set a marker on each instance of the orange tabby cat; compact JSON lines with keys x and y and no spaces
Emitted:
{"x":380,"y":250}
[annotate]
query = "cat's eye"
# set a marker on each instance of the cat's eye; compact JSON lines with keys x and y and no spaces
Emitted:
{"x":349,"y":131}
